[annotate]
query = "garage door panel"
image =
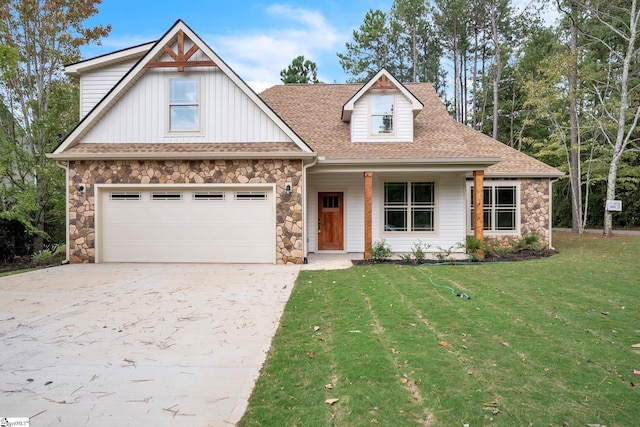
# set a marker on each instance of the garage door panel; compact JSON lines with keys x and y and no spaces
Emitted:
{"x":213,"y":227}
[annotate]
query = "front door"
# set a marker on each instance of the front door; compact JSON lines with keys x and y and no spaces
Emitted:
{"x":330,"y":221}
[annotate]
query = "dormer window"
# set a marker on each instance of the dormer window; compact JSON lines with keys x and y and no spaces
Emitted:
{"x":184,"y":104}
{"x":382,"y":114}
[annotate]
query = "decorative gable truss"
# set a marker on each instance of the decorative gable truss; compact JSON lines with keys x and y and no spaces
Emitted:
{"x":381,"y":111}
{"x":181,"y":59}
{"x":131,"y":112}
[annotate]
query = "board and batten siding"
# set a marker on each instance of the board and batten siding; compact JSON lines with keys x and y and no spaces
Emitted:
{"x":227,"y":114}
{"x":403,"y":121}
{"x":450,"y":211}
{"x":94,"y":85}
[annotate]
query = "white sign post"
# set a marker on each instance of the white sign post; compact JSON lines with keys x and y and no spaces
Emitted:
{"x":614,"y":205}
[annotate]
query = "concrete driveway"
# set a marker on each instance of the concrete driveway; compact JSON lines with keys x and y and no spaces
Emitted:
{"x":137,"y":344}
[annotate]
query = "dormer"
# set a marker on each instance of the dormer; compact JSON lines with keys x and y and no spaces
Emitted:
{"x":381,"y":111}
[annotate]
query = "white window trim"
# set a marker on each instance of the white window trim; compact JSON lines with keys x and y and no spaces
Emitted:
{"x":496,"y":183}
{"x":370,"y":113}
{"x":168,"y":104}
{"x":436,"y":208}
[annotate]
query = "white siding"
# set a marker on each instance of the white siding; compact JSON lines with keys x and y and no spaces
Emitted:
{"x":226,"y":113}
{"x":403,"y":121}
{"x":94,"y":85}
{"x":352,"y":185}
{"x":450,"y":211}
{"x":450,"y":214}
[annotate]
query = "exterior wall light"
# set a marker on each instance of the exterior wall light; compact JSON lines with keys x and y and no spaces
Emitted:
{"x":80,"y":189}
{"x":287,"y":189}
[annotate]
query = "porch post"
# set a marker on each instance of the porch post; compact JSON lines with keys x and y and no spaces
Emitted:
{"x":478,"y":208}
{"x":368,"y":194}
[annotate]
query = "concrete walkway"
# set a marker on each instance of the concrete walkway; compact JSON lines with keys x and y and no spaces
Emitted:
{"x":137,"y":344}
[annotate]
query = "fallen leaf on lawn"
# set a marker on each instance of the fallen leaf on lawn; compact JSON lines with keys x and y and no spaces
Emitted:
{"x":606,"y":313}
{"x":310,"y":354}
{"x":635,"y":346}
{"x":316,"y":328}
{"x":470,"y":372}
{"x":394,"y":351}
{"x":504,"y":344}
{"x":444,"y":344}
{"x":403,"y":380}
{"x":328,"y":386}
{"x":413,"y":324}
{"x":331,"y":401}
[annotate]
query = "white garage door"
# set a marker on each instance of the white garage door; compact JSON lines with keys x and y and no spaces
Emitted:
{"x":175,"y":225}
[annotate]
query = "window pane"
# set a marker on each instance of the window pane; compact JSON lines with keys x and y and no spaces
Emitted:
{"x":382,"y":124}
{"x":487,"y":219}
{"x":488,"y":196}
{"x":506,"y":220}
{"x":505,"y":196}
{"x":382,"y":104}
{"x":184,"y":91}
{"x":395,"y":193}
{"x":395,"y":219}
{"x":422,"y":219}
{"x":423,"y":193}
{"x":184,"y":117}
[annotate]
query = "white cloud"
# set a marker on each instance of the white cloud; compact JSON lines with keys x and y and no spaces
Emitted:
{"x":259,"y":55}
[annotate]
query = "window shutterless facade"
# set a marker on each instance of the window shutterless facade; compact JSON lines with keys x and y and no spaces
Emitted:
{"x":501,"y":211}
{"x":409,"y":206}
{"x":184,"y":104}
{"x":382,"y":115}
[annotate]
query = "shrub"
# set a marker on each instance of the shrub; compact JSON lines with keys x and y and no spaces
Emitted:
{"x":531,"y":242}
{"x":419,"y":251}
{"x":43,"y":257}
{"x":380,"y":251}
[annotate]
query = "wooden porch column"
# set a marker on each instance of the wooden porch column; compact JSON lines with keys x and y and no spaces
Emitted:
{"x":368,"y":195}
{"x":478,"y":208}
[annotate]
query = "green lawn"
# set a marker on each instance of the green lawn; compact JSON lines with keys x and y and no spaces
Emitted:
{"x":540,"y":343}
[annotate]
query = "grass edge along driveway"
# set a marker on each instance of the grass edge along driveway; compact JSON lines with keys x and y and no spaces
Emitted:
{"x":540,"y":343}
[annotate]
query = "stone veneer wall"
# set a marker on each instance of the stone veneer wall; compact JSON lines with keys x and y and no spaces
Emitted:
{"x":534,"y":211}
{"x":288,"y":208}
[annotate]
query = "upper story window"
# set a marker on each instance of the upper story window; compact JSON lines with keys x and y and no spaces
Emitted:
{"x":184,"y":104}
{"x":382,"y":107}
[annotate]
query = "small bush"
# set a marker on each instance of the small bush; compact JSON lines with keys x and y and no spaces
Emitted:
{"x":419,"y":251}
{"x":50,"y":256}
{"x":445,"y":254}
{"x":530,"y":242}
{"x":380,"y":251}
{"x":43,"y":257}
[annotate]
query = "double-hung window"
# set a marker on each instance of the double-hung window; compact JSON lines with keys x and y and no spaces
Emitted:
{"x":184,"y":104}
{"x":409,"y":206}
{"x":500,"y":208}
{"x":382,"y":114}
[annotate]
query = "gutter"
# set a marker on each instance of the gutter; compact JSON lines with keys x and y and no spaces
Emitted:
{"x":65,"y":166}
{"x":181,"y":156}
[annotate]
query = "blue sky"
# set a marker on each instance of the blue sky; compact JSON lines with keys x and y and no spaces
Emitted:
{"x":256,"y":38}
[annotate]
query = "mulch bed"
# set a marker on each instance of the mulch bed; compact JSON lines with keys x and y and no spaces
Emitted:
{"x":519,"y":255}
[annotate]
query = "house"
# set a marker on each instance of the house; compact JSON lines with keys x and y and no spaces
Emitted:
{"x":176,"y":159}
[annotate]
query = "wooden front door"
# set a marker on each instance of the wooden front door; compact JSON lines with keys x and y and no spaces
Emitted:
{"x":330,"y":221}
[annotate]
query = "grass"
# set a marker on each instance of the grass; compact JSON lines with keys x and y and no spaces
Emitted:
{"x":540,"y":343}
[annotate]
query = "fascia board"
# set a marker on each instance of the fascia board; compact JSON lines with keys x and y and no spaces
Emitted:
{"x":107,"y":59}
{"x":180,"y":156}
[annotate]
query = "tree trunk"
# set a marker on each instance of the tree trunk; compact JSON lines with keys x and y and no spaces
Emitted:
{"x":574,"y":143}
{"x":623,"y":135}
{"x":498,"y":70}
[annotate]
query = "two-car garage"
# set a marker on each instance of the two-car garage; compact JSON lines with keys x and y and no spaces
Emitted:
{"x":186,"y":224}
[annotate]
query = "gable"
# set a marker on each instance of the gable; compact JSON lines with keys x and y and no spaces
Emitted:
{"x":135,"y":109}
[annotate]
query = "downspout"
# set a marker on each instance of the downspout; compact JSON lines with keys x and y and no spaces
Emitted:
{"x":305,"y":237}
{"x":65,"y":166}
